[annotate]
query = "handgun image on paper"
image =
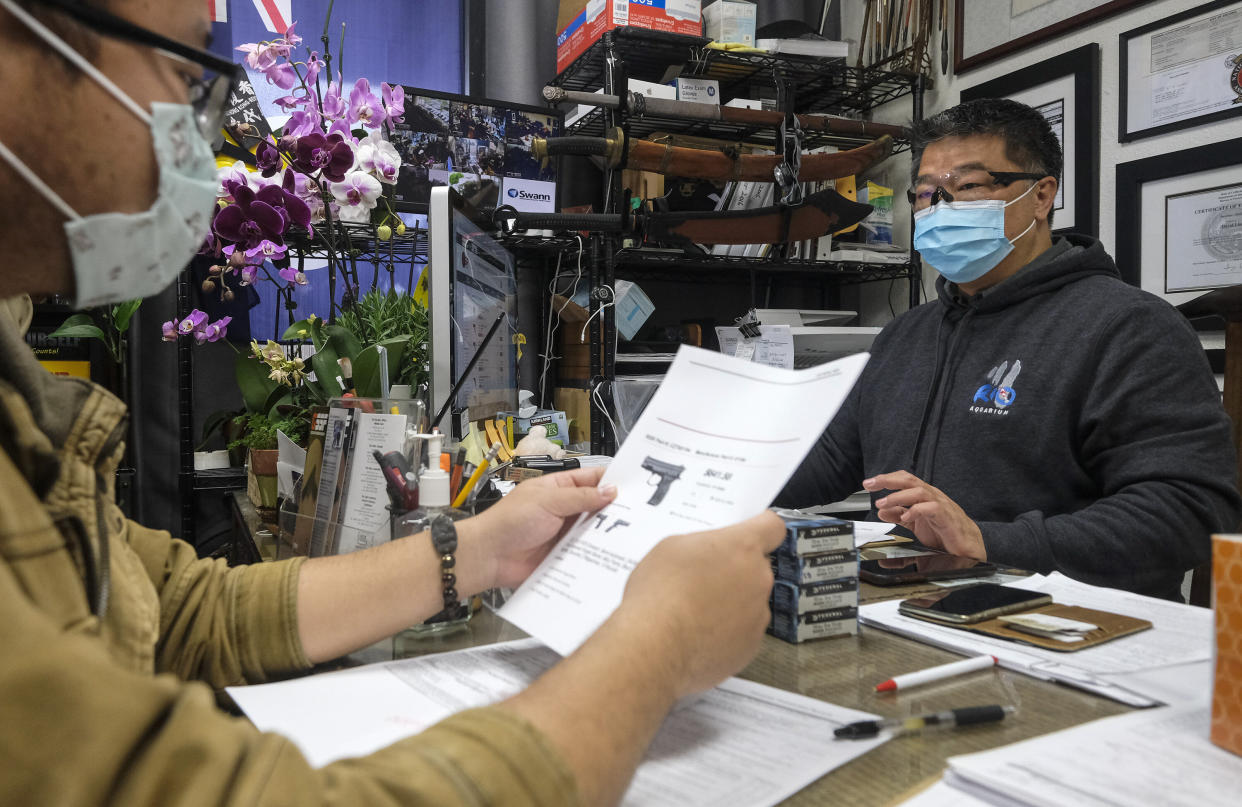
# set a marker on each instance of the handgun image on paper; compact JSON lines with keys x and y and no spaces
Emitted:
{"x":667,"y":473}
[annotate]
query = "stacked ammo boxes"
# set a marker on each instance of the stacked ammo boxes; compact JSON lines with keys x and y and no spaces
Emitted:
{"x":816,"y":591}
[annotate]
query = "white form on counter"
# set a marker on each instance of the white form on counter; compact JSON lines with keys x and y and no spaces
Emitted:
{"x":1170,"y":663}
{"x":741,"y":743}
{"x":717,"y":442}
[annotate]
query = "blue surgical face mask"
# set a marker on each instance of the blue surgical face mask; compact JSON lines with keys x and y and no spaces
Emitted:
{"x":122,"y":256}
{"x":965,"y":240}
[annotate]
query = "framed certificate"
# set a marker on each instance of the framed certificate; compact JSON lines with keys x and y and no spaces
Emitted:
{"x":1066,"y":89}
{"x":1184,"y":70}
{"x":1179,"y":220}
{"x":987,"y":30}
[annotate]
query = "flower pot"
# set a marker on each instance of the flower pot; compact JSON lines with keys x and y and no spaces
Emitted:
{"x":261,"y":484}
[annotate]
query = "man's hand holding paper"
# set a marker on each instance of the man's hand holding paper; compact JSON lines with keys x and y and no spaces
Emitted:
{"x":718,"y":440}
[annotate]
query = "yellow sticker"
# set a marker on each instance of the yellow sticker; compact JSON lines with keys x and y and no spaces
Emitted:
{"x":519,"y":339}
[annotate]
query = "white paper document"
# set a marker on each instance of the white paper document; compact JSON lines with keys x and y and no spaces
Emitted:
{"x":741,"y":743}
{"x":867,"y":531}
{"x":717,"y":442}
{"x":1162,"y":756}
{"x":773,"y":346}
{"x":1169,"y":663}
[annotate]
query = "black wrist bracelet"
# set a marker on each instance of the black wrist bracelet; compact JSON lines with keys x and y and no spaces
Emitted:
{"x":444,"y":540}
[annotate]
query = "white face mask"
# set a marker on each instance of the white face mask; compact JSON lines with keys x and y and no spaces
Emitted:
{"x":122,"y":256}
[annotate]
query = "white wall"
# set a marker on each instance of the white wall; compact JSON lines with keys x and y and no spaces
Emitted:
{"x":895,"y":171}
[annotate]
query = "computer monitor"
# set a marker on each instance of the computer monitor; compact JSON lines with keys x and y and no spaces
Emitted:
{"x":472,"y":281}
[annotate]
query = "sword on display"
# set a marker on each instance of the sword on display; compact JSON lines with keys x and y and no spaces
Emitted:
{"x":619,"y":150}
{"x":638,"y":105}
{"x":816,"y":216}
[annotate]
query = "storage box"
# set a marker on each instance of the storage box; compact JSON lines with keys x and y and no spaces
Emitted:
{"x":581,"y":22}
{"x":555,"y":421}
{"x":649,"y":89}
{"x":790,"y":598}
{"x":816,"y":568}
{"x":1226,"y":730}
{"x":633,"y":307}
{"x":806,"y":535}
{"x":730,"y":21}
{"x":815,"y":625}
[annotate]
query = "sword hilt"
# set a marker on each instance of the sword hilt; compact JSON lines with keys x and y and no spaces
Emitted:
{"x":611,"y":148}
{"x":510,"y":220}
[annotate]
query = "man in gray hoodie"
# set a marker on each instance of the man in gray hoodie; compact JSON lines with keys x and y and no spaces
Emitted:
{"x":1041,"y":413}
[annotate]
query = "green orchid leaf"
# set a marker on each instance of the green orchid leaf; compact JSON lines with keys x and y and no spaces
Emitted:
{"x":254,"y":383}
{"x":123,"y":313}
{"x":80,"y":326}
{"x":366,"y":367}
{"x":343,"y":341}
{"x":281,"y":396}
{"x":311,"y":328}
{"x":325,"y":385}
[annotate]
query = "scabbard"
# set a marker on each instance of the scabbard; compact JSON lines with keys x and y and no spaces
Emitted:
{"x":819,"y":214}
{"x":643,"y":105}
{"x":646,"y":155}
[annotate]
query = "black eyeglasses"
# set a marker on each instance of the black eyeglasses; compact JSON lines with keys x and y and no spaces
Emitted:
{"x":923,"y":196}
{"x":208,"y":96}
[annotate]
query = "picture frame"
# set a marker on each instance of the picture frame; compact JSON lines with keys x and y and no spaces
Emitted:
{"x":982,"y":33}
{"x":1180,"y":71}
{"x":1165,"y":249}
{"x":1068,"y":84}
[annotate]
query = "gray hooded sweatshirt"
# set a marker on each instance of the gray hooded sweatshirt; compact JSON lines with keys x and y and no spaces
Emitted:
{"x":1072,"y":416}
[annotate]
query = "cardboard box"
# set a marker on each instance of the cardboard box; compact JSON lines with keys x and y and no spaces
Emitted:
{"x":806,"y":535}
{"x":636,"y":86}
{"x":730,"y":21}
{"x":815,"y":625}
{"x":580,"y":23}
{"x":817,"y":568}
{"x":554,"y":421}
{"x":790,"y":598}
{"x":1226,"y":726}
{"x":574,"y":402}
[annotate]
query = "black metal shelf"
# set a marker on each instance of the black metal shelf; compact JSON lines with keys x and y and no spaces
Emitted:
{"x":822,"y":85}
{"x":220,"y":479}
{"x":841,"y":272}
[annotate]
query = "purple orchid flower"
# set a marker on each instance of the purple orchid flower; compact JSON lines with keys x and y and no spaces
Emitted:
{"x":250,"y":219}
{"x":333,"y":106}
{"x":364,"y":107}
{"x":341,"y":127}
{"x":261,"y":57}
{"x":267,"y":158}
{"x":290,"y":37}
{"x":303,"y":122}
{"x":193,"y":323}
{"x":329,"y":153}
{"x":247,"y":275}
{"x":282,"y":75}
{"x":170,"y":330}
{"x":266,"y":251}
{"x":291,"y":102}
{"x":394,"y":103}
{"x":313,"y":65}
{"x":294,"y":277}
{"x":216,"y":330}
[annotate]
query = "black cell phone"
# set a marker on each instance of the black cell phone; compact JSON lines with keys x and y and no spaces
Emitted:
{"x":906,"y":568}
{"x":969,"y":604}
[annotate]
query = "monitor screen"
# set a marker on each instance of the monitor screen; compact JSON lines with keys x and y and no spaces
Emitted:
{"x":472,"y":283}
{"x":477,"y":147}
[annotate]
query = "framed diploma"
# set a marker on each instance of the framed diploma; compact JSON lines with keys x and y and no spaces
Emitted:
{"x":987,"y":30}
{"x":1203,"y":239}
{"x":1066,"y":89}
{"x":1184,"y":70}
{"x":1179,"y":220}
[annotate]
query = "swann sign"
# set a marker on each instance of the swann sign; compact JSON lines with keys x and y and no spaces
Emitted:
{"x":530,"y":195}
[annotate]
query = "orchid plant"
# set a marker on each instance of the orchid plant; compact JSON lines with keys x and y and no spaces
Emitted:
{"x":330,"y":163}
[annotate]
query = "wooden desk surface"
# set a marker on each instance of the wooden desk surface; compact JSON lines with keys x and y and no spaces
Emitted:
{"x":845,"y":671}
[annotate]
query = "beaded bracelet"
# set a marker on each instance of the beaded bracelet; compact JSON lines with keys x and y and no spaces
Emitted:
{"x":444,"y":540}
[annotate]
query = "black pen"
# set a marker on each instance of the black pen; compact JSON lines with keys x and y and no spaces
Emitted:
{"x":910,"y":725}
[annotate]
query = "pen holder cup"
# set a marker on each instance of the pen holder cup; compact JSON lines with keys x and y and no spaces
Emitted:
{"x":1226,"y":730}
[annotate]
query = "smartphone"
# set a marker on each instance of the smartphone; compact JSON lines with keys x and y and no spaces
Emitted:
{"x":909,"y":566}
{"x":970,"y":604}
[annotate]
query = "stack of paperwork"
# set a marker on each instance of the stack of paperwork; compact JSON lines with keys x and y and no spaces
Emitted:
{"x":1171,"y":663}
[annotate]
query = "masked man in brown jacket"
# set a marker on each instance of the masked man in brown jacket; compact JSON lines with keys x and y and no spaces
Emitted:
{"x":113,"y":635}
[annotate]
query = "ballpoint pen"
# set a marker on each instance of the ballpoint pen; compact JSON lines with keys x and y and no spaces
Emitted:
{"x":936,"y":673}
{"x":965,"y":716}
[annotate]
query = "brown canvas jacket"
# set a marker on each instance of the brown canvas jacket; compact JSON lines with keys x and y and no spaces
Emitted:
{"x":112,"y":637}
